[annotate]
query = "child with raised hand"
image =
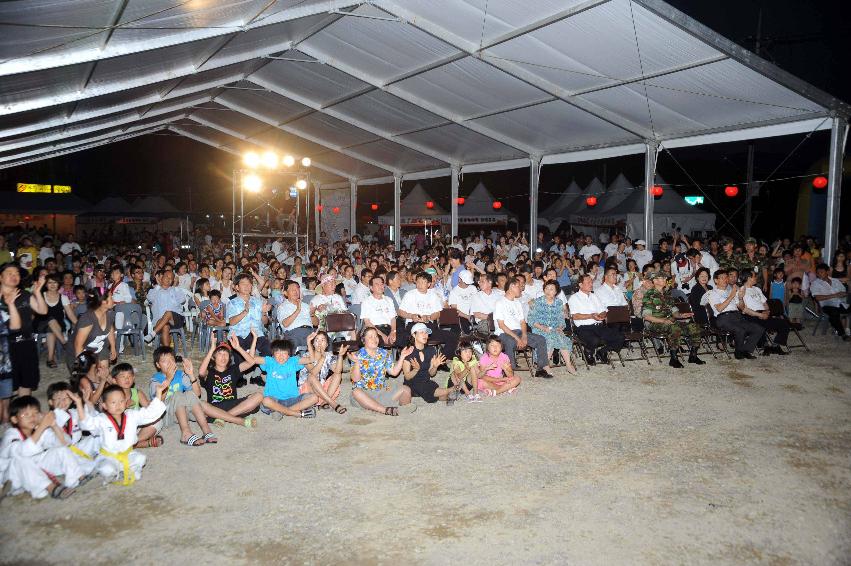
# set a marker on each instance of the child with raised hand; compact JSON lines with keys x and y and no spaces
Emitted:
{"x":70,"y":410}
{"x":182,"y":397}
{"x":323,"y":372}
{"x":465,"y":372}
{"x":280,"y":395}
{"x":220,"y":379}
{"x":117,"y":426}
{"x":496,"y":375}
{"x":124,"y":376}
{"x":33,"y":453}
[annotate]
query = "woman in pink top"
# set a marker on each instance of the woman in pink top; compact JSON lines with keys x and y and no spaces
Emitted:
{"x":497,"y":377}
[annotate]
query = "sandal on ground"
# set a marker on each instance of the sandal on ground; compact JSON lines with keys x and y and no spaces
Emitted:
{"x":86,"y":479}
{"x":154,"y":442}
{"x":51,"y":363}
{"x":210,"y":438}
{"x":61,"y":492}
{"x":250,"y":422}
{"x":324,"y":406}
{"x":340,"y":410}
{"x":391,"y":411}
{"x":219,"y":422}
{"x":308,"y":413}
{"x":193,"y":440}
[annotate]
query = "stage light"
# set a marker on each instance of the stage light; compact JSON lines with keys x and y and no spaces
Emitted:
{"x":251,"y":159}
{"x":305,"y":162}
{"x":252,"y":182}
{"x":289,"y":160}
{"x":301,"y":184}
{"x":270,"y":160}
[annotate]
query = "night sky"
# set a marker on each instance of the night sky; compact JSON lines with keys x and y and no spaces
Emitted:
{"x":808,"y":39}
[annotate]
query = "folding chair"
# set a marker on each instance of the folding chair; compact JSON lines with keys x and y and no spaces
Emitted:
{"x":619,"y":316}
{"x":133,"y":329}
{"x":685,"y":307}
{"x":342,"y":322}
{"x":721,"y":336}
{"x":776,"y":310}
{"x":523,"y":352}
{"x":578,"y":344}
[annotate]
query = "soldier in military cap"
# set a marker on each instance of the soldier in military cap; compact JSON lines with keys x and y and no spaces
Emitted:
{"x":727,"y":258}
{"x":751,"y":261}
{"x":662,"y":317}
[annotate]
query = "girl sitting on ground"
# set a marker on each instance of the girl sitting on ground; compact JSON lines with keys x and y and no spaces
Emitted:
{"x":496,"y":375}
{"x":323,"y":372}
{"x":220,"y":379}
{"x":465,"y":372}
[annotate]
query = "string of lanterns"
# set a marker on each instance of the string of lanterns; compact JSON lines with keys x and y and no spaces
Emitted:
{"x":731,"y":191}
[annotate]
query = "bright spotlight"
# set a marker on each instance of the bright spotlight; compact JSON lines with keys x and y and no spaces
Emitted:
{"x":252,"y":182}
{"x":305,"y":162}
{"x":270,"y":160}
{"x":301,"y":184}
{"x":251,"y":159}
{"x":289,"y":160}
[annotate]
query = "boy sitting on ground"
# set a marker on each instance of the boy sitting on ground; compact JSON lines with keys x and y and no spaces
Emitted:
{"x":70,"y":410}
{"x":124,"y":376}
{"x":280,"y":395}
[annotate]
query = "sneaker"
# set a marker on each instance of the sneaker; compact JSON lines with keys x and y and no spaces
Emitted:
{"x":308,"y":413}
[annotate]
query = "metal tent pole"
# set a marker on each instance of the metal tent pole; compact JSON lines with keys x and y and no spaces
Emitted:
{"x":397,"y":213}
{"x":233,"y":213}
{"x":534,"y":178}
{"x":453,"y":205}
{"x":317,"y":193}
{"x":241,"y":217}
{"x":838,"y":136}
{"x":749,"y":194}
{"x":650,"y":155}
{"x":353,"y":205}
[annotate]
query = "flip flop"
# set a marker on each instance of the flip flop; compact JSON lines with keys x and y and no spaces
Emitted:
{"x":210,"y":438}
{"x":193,"y":440}
{"x":340,"y":410}
{"x":250,"y":422}
{"x":61,"y":492}
{"x":219,"y":423}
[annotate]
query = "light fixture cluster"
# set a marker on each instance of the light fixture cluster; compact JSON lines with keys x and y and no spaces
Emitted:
{"x":269,"y":160}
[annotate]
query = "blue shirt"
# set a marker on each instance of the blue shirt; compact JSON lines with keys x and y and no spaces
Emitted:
{"x":180,"y":383}
{"x":281,"y":379}
{"x":777,"y":290}
{"x":254,"y":318}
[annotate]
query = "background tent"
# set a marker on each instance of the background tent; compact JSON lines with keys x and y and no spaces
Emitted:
{"x":111,"y":206}
{"x":478,"y":209}
{"x":668,"y":210}
{"x":554,"y":214}
{"x":414,"y":212}
{"x":153,"y":206}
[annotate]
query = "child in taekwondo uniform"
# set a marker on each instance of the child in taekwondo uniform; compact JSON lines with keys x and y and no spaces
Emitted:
{"x":70,"y":411}
{"x":117,"y":427}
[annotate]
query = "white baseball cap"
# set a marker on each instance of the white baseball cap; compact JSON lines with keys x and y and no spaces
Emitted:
{"x":640,"y":243}
{"x":420,"y":327}
{"x":466,"y":277}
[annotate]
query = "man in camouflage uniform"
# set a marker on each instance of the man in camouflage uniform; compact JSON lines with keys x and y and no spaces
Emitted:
{"x":727,"y":258}
{"x":661,"y":317}
{"x":751,"y":261}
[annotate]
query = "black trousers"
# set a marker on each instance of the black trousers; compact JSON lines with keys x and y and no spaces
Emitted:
{"x":600,"y":336}
{"x":448,"y":339}
{"x":777,"y":325}
{"x":834,"y":315}
{"x":746,"y":333}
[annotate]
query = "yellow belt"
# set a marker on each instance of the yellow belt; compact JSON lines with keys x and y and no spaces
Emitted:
{"x":124,"y":460}
{"x":79,"y":452}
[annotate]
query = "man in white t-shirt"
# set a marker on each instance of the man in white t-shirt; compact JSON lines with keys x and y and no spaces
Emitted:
{"x":482,"y":303}
{"x":725,"y":302}
{"x":421,"y":304}
{"x":510,"y":324}
{"x":362,"y":289}
{"x":832,"y":297}
{"x":589,"y":316}
{"x":610,"y":293}
{"x":293,"y":314}
{"x":378,"y":310}
{"x":641,"y":254}
{"x":611,"y":248}
{"x":461,"y":298}
{"x":589,"y":249}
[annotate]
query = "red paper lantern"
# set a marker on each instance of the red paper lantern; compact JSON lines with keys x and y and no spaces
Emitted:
{"x":820,"y":182}
{"x":336,"y":210}
{"x":374,"y":206}
{"x":319,"y":207}
{"x":460,"y":201}
{"x":497,"y":205}
{"x":656,"y":191}
{"x":429,"y":204}
{"x":591,"y":201}
{"x":731,"y":191}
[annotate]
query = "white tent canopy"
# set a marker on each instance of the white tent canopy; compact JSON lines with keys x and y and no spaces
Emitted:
{"x":558,"y":211}
{"x":413,"y":209}
{"x":478,"y":208}
{"x":382,"y":89}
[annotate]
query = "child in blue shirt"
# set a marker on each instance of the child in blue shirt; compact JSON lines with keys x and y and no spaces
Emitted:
{"x":280,"y":395}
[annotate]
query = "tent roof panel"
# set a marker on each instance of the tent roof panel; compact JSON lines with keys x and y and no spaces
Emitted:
{"x":321,"y":83}
{"x":322,"y":126}
{"x":400,"y":158}
{"x":555,"y":125}
{"x":276,"y":108}
{"x":389,"y":112}
{"x":469,"y":87}
{"x":463,"y":145}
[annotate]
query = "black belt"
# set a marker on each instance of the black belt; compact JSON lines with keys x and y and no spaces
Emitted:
{"x":727,"y":312}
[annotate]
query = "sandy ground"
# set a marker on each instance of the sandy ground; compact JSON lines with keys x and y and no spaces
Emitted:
{"x":736,"y":463}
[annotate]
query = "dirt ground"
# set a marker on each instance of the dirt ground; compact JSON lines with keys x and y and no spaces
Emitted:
{"x":735,"y":463}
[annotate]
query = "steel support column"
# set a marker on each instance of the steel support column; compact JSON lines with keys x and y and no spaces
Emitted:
{"x":353,"y":203}
{"x":317,"y":199}
{"x":453,"y":205}
{"x":649,"y":180}
{"x":397,"y":211}
{"x":534,"y":178}
{"x":838,"y":136}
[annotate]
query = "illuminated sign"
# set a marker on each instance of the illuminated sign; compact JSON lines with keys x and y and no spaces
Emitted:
{"x":693,"y":200}
{"x":35,"y":188}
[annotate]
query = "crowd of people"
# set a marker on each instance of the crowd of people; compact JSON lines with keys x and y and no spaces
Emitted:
{"x":356,"y":325}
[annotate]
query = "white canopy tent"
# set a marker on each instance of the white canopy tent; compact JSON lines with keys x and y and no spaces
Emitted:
{"x":378,"y":91}
{"x":414,"y":212}
{"x":478,"y":209}
{"x":558,"y":211}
